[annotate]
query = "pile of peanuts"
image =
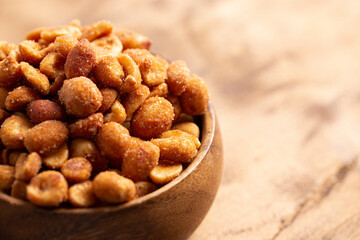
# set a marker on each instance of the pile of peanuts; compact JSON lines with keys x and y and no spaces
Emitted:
{"x":89,"y":116}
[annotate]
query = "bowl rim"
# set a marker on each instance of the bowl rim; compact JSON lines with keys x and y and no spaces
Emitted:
{"x":207,"y":135}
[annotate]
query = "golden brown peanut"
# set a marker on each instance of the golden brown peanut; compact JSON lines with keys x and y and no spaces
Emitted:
{"x":188,"y":127}
{"x":5,"y":49}
{"x":43,"y":109}
{"x":153,"y":72}
{"x":46,"y":136}
{"x":117,"y":113}
{"x":3,"y":94}
{"x":109,"y":72}
{"x":109,"y":97}
{"x":32,"y":52}
{"x":35,"y":78}
{"x":82,"y":194}
{"x":85,"y":148}
{"x":132,"y":73}
{"x":132,"y":39}
{"x":87,"y":127}
{"x":7,"y":177}
{"x":19,"y":98}
{"x":114,"y":140}
{"x":97,"y":30}
{"x":3,"y":115}
{"x":112,"y":188}
{"x":27,"y":166}
{"x":80,"y":96}
{"x":52,"y":65}
{"x":34,"y":34}
{"x":140,"y":160}
{"x":108,"y":45}
{"x":47,"y":189}
{"x":154,"y":117}
{"x":195,"y":99}
{"x":133,"y":100}
{"x":176,"y":149}
{"x":175,"y":102}
{"x":50,"y":34}
{"x":183,"y":117}
{"x":13,"y":157}
{"x":163,"y":61}
{"x":160,"y":90}
{"x":178,"y":133}
{"x":13,"y":131}
{"x":143,"y":188}
{"x":10,"y":72}
{"x":18,"y":189}
{"x":178,"y":76}
{"x":165,"y":172}
{"x":80,"y":60}
{"x":5,"y":157}
{"x":57,"y":84}
{"x":76,"y":169}
{"x":56,"y":158}
{"x":64,"y":44}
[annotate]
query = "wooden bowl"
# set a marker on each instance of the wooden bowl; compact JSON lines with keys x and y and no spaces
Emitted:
{"x":172,"y":212}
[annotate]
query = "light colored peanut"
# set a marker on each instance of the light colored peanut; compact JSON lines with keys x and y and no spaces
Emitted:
{"x":109,"y":72}
{"x":17,"y":99}
{"x":47,"y":189}
{"x":97,"y":30}
{"x":52,"y":65}
{"x":165,"y":172}
{"x":188,"y":127}
{"x":7,"y":177}
{"x":57,"y":157}
{"x":18,"y":189}
{"x":179,"y":133}
{"x":64,"y":44}
{"x":13,"y":131}
{"x":82,"y":194}
{"x":76,"y":169}
{"x":117,"y":113}
{"x":10,"y":72}
{"x":112,"y":188}
{"x":27,"y":166}
{"x":132,"y":74}
{"x":108,"y":45}
{"x":35,"y":78}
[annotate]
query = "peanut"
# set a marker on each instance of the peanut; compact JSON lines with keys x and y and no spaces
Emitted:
{"x":56,"y":158}
{"x":18,"y":189}
{"x":117,"y":113}
{"x":35,"y":78}
{"x":76,"y":169}
{"x":17,"y":99}
{"x":42,"y":110}
{"x":27,"y":166}
{"x":165,"y":171}
{"x":13,"y":131}
{"x":178,"y":76}
{"x":82,"y":194}
{"x":195,"y":99}
{"x":10,"y":72}
{"x":7,"y":177}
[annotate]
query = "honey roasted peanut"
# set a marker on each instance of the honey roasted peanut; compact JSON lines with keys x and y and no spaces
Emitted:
{"x":13,"y":131}
{"x":165,"y":171}
{"x":87,"y":127}
{"x":82,"y":194}
{"x":76,"y":169}
{"x":56,"y":158}
{"x":27,"y":166}
{"x":18,"y":98}
{"x":42,"y":110}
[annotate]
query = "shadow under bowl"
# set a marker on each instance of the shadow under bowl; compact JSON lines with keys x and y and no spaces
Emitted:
{"x":173,"y":211}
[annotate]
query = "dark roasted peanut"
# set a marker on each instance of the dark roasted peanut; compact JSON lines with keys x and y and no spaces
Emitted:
{"x":42,"y":110}
{"x":76,"y":169}
{"x":3,"y":94}
{"x":112,"y":188}
{"x":152,"y":118}
{"x":87,"y":127}
{"x":20,"y":97}
{"x":3,"y":115}
{"x":5,"y":157}
{"x":18,"y":189}
{"x":80,"y":60}
{"x":13,"y":131}
{"x":80,"y":96}
{"x":47,"y":189}
{"x":46,"y":136}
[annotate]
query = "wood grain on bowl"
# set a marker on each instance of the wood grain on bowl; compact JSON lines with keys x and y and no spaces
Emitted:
{"x":171,"y":212}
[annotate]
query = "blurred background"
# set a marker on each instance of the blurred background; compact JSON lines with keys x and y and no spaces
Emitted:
{"x":284,"y":78}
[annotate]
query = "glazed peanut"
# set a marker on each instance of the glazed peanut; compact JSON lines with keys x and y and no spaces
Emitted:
{"x":87,"y":149}
{"x":56,"y":158}
{"x":32,"y":51}
{"x":178,"y":133}
{"x":7,"y":176}
{"x":178,"y":76}
{"x":87,"y":127}
{"x":112,"y":188}
{"x":152,"y":118}
{"x":5,"y":49}
{"x":47,"y":189}
{"x":57,"y":83}
{"x":176,"y":105}
{"x":109,"y":97}
{"x":18,"y":189}
{"x":108,"y":45}
{"x":140,"y":160}
{"x":132,"y":73}
{"x":82,"y":194}
{"x":160,"y":90}
{"x":165,"y":172}
{"x":188,"y":127}
{"x":52,"y":65}
{"x":42,"y":110}
{"x":17,"y":99}
{"x":50,"y":34}
{"x":134,"y":100}
{"x":109,"y":72}
{"x":76,"y":169}
{"x":194,"y":100}
{"x":80,"y":60}
{"x":132,"y":39}
{"x":97,"y":30}
{"x":117,"y":113}
{"x":64,"y":44}
{"x":143,"y":188}
{"x":10,"y":72}
{"x":46,"y":136}
{"x":27,"y":166}
{"x":13,"y":131}
{"x":35,"y":78}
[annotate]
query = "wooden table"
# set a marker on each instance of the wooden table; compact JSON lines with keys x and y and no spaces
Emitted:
{"x":285,"y":80}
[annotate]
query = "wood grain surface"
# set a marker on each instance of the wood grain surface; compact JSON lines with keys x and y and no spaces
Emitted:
{"x":285,"y":80}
